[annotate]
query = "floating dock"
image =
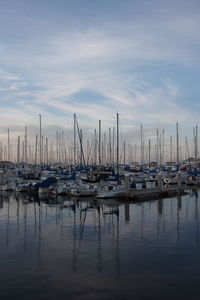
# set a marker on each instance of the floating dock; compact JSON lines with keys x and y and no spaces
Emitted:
{"x":155,"y":193}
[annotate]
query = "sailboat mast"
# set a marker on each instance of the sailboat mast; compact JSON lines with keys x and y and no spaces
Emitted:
{"x":117,"y":146}
{"x":18,"y":150}
{"x":196,"y":152}
{"x":149,"y":153}
{"x":163,"y":147}
{"x":99,"y":142}
{"x":36,"y":142}
{"x":47,"y":152}
{"x":110,"y":158}
{"x":74,"y":139}
{"x":25,"y":142}
{"x":141,"y":140}
{"x":170,"y":148}
{"x":95,"y":147}
{"x":40,"y":139}
{"x":8,"y":144}
{"x":177,"y":145}
{"x":124,"y":153}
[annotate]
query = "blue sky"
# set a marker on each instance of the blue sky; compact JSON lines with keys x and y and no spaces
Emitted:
{"x":98,"y":57}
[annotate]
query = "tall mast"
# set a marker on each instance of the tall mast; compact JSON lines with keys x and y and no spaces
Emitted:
{"x":65,"y":155}
{"x":129,"y":154}
{"x":47,"y":152}
{"x":95,"y":147}
{"x":42,"y":152}
{"x":149,"y":153}
{"x":196,"y":147}
{"x":81,"y":142}
{"x":40,"y":139}
{"x":74,"y":139}
{"x":117,"y":146}
{"x":104,"y":148}
{"x":124,"y":153}
{"x":170,"y":148}
{"x":163,"y":147}
{"x":177,"y":145}
{"x":113,"y":146}
{"x":135,"y":156}
{"x":157,"y":147}
{"x":8,"y":144}
{"x":99,"y":142}
{"x":36,"y":142}
{"x":160,"y":145}
{"x":141,"y":138}
{"x":57,"y":146}
{"x":23,"y":151}
{"x":62,"y":147}
{"x":88,"y":153}
{"x":110,"y":151}
{"x":188,"y":152}
{"x":5,"y":153}
{"x":81,"y":145}
{"x":25,"y":137}
{"x":18,"y":150}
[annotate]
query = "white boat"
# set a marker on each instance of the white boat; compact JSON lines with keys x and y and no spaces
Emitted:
{"x":173,"y":178}
{"x":84,"y":190}
{"x":150,"y":183}
{"x":110,"y":191}
{"x":63,"y":188}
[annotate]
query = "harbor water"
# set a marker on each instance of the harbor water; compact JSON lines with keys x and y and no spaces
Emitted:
{"x":68,"y":248}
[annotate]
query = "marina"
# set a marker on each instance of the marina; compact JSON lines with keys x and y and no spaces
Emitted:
{"x":52,"y":181}
{"x":61,"y":170}
{"x":99,"y":150}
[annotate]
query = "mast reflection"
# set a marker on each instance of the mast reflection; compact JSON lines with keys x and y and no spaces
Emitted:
{"x":196,"y":210}
{"x":127,"y":212}
{"x":179,"y":206}
{"x":92,"y":227}
{"x":8,"y":223}
{"x":99,"y":243}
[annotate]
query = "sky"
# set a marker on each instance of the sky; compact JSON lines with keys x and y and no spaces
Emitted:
{"x":95,"y":58}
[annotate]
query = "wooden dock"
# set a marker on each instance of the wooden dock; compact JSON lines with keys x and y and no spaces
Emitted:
{"x":155,"y":193}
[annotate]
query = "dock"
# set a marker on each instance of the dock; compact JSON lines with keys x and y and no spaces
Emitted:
{"x":155,"y":193}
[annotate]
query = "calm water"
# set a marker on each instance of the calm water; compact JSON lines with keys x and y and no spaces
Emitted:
{"x":99,"y":250}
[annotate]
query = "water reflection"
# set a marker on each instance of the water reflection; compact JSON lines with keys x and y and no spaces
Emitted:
{"x":127,"y":212}
{"x":95,"y":238}
{"x":102,"y":216}
{"x":196,"y":211}
{"x":7,"y":223}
